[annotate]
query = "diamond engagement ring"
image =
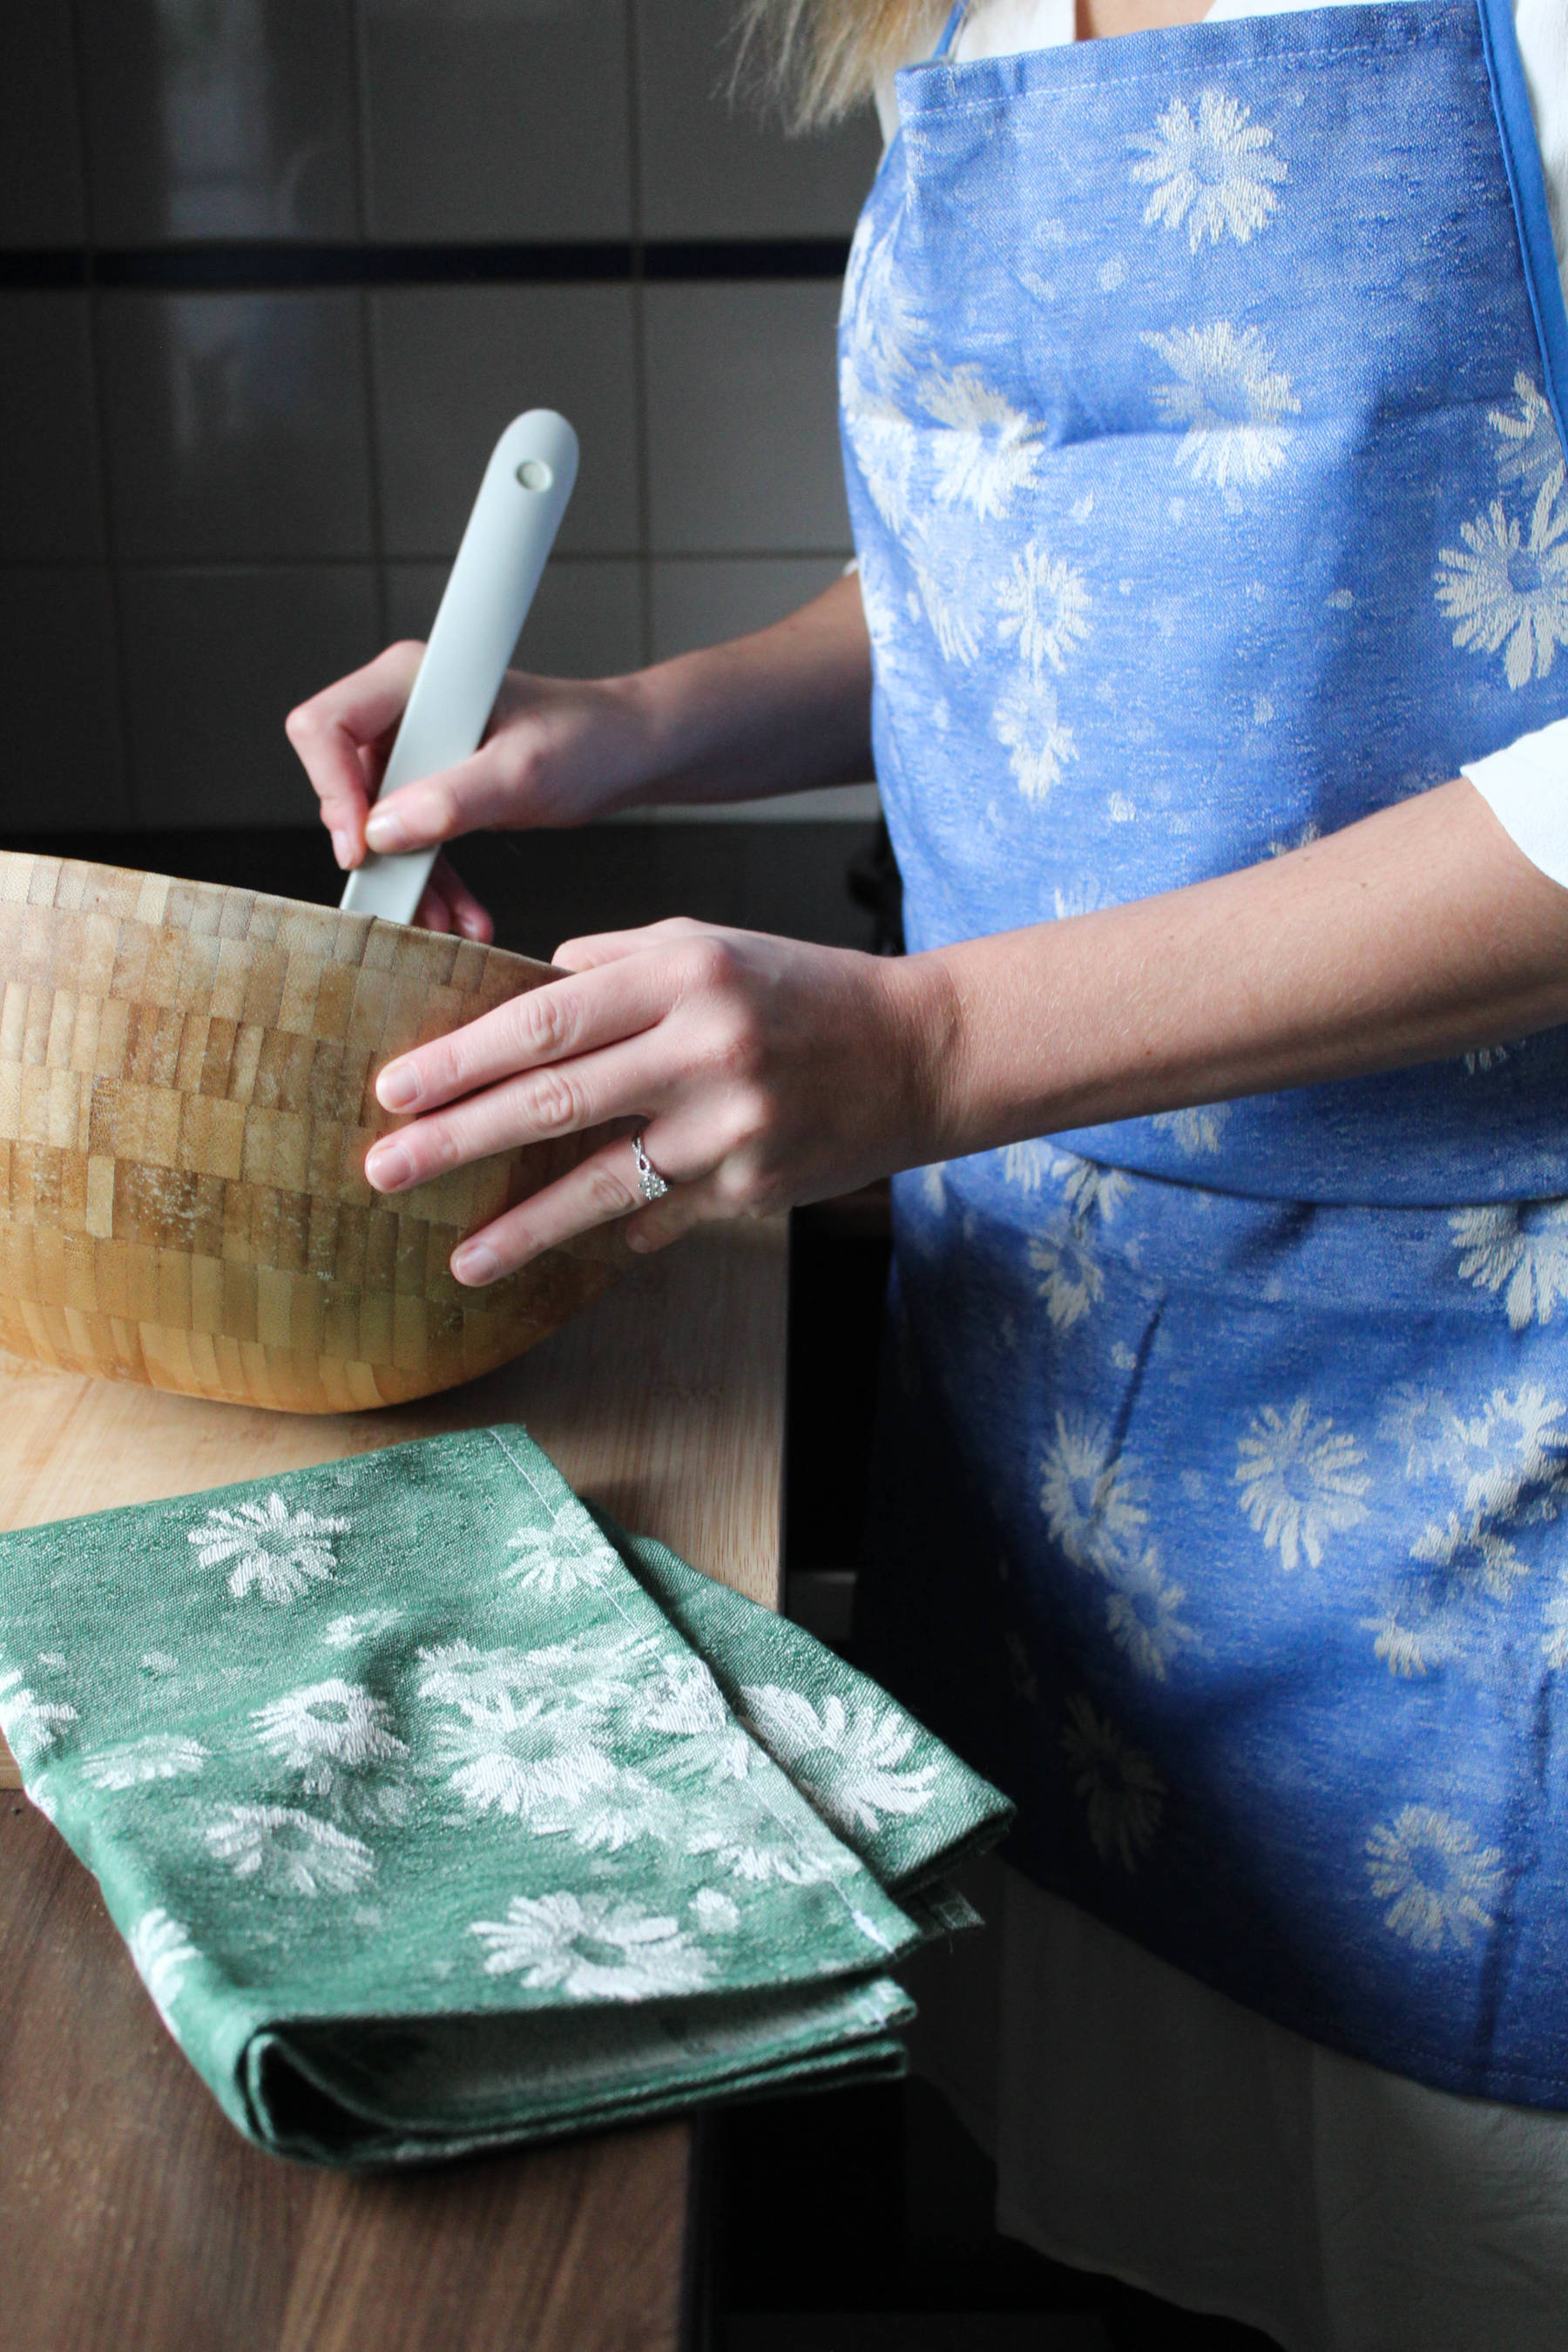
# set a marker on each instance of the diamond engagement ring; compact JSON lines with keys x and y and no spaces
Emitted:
{"x":651,"y":1183}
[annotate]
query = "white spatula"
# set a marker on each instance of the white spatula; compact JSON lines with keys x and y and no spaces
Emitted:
{"x":505,"y":547}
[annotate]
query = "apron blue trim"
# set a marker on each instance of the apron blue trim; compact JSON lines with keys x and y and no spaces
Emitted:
{"x":958,"y":11}
{"x":1527,"y":185}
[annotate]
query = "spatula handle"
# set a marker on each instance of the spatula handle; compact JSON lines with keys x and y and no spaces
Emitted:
{"x":505,"y":547}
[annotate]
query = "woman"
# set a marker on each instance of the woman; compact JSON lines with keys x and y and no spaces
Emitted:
{"x":1203,"y":429}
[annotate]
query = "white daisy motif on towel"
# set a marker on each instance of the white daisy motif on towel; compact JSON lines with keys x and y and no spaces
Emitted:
{"x":1529,"y":451}
{"x":941,"y":598}
{"x":1506,"y":589}
{"x":1440,"y":1885}
{"x":1301,"y":1481}
{"x":1228,"y":399}
{"x":288,"y":1851}
{"x":1093,"y":1497}
{"x":1517,"y":1248}
{"x":1028,"y":724}
{"x":161,"y":1951}
{"x":369,"y":1624}
{"x":31,"y":1724}
{"x":334,"y":1735}
{"x":850,"y":1761}
{"x":685,"y":1703}
{"x":984,"y":451}
{"x":1123,"y":1796}
{"x":137,"y":1763}
{"x":592,"y":1947}
{"x":1424,"y":1427}
{"x":278,"y":1552}
{"x":550,"y":1561}
{"x":1215,"y":174}
{"x":1044,"y":607}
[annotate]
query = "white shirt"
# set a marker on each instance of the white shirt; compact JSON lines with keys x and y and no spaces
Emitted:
{"x":1525,"y":784}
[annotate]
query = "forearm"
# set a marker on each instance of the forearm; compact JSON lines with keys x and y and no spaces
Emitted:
{"x":1419,"y":932}
{"x":785,"y":709}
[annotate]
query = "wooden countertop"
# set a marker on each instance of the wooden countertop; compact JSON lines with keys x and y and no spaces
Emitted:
{"x":131,"y":2213}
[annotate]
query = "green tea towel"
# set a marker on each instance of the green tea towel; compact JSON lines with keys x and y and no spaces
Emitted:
{"x":438,"y":1816}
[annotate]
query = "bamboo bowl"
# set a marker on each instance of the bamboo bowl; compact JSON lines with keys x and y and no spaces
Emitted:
{"x":186,"y":1098}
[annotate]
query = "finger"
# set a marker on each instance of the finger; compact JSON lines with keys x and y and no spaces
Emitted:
{"x":598,"y":1191}
{"x":611,"y":947}
{"x":623,"y":1082}
{"x":433,"y":913}
{"x":547,"y":1025}
{"x":476,"y":792}
{"x":470,"y":917}
{"x":330,"y":730}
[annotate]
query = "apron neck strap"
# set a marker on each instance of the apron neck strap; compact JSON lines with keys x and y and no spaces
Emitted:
{"x":951,"y":29}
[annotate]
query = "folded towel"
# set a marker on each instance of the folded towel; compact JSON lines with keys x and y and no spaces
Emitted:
{"x":438,"y":1815}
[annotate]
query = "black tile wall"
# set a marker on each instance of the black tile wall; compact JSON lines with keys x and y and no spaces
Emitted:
{"x":272,"y":278}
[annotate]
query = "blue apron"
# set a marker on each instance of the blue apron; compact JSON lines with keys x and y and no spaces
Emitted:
{"x":1201,"y":416}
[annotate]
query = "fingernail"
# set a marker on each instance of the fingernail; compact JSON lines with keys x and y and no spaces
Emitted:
{"x":388,"y":1167}
{"x":398,"y":1086}
{"x":384,"y":829}
{"x":342,"y":847}
{"x":475,"y":1264}
{"x":638,"y":1242}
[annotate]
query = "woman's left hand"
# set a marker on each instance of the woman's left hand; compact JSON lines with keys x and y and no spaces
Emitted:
{"x":762,"y":1071}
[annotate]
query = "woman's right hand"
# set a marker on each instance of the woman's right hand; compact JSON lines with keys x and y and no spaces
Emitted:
{"x":557,"y":752}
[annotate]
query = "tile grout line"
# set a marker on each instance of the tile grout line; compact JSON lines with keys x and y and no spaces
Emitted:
{"x":110,"y":566}
{"x":369,"y":376}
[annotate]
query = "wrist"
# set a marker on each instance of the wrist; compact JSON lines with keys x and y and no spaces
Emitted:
{"x":925,"y":1023}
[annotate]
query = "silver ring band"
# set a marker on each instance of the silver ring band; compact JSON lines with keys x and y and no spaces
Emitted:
{"x":651,"y":1183}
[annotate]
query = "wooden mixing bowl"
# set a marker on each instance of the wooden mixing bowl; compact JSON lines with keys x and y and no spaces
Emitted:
{"x":186,"y":1098}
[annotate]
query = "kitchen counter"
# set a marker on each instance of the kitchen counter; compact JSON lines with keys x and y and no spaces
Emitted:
{"x":131,"y":2214}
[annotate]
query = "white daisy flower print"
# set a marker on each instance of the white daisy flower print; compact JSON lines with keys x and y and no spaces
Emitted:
{"x":1071,"y":1280}
{"x":884,"y":445}
{"x":1554,"y":1638}
{"x":1217,"y":174}
{"x":849,"y":1760}
{"x":1092,"y":1497}
{"x":347,"y":1632}
{"x":277,"y":1551}
{"x":288,"y":1851}
{"x":1425,"y":1429}
{"x":138,"y":1763}
{"x":1472,"y":1555}
{"x":1027,"y":723}
{"x":1043,"y":605}
{"x":161,"y":1951}
{"x":1529,"y":451}
{"x":1123,"y":1796}
{"x":715,"y":1913}
{"x":1505,"y":590}
{"x":32,"y":1726}
{"x":332,"y":1734}
{"x":1301,"y":1481}
{"x":756,"y":1865}
{"x":1440,"y":1884}
{"x":1142,"y":1615}
{"x":1197,"y":1129}
{"x":1517,"y":1443}
{"x":685,"y":1703}
{"x":1518,"y":1248}
{"x":1229,"y":401}
{"x":984,"y":450}
{"x":551,"y":1562}
{"x":592,"y":1947}
{"x":944,"y":603}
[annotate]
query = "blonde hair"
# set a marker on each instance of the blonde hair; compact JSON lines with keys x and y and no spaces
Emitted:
{"x":818,"y":59}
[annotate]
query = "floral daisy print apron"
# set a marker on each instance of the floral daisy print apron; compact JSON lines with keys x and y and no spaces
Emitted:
{"x":1201,"y":415}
